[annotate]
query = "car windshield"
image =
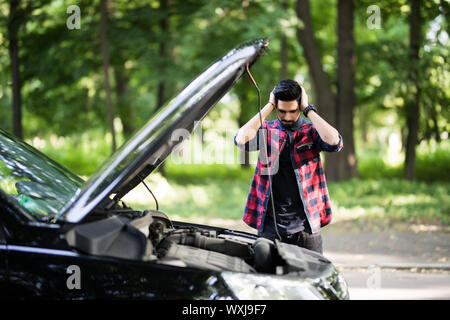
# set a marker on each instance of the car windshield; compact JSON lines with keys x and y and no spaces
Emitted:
{"x":38,"y":183}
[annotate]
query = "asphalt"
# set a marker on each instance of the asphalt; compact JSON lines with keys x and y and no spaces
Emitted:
{"x":402,"y":262}
{"x":401,"y":246}
{"x":395,"y":284}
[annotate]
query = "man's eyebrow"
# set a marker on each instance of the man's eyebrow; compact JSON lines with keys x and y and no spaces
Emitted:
{"x":295,"y":110}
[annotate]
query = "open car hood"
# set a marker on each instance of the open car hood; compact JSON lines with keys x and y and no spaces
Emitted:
{"x":153,"y":143}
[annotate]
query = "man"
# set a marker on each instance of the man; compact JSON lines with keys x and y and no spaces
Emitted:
{"x":300,"y":195}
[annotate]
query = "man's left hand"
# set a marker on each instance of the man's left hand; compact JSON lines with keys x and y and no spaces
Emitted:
{"x":304,"y":100}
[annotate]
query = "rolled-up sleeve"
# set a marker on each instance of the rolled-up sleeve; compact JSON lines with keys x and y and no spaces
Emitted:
{"x":328,"y":147}
{"x":251,"y":145}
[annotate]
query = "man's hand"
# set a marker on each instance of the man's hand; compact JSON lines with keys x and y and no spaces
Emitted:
{"x":272,"y":99}
{"x":304,"y":100}
{"x":248,"y":131}
{"x":328,"y":133}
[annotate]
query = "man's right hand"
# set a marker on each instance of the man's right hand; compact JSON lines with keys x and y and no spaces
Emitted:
{"x":249,"y":130}
{"x":272,"y":99}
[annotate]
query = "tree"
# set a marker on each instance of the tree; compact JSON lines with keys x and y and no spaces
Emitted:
{"x":346,"y":165}
{"x":337,"y":110}
{"x":106,"y":65}
{"x":414,"y":98}
{"x":321,"y":82}
{"x":15,"y":20}
{"x":284,"y":59}
{"x":163,"y":51}
{"x":20,"y":12}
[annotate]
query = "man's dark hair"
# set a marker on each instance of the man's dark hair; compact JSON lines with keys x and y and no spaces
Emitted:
{"x":287,"y":90}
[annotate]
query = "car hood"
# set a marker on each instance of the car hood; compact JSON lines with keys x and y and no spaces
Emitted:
{"x":154,"y":142}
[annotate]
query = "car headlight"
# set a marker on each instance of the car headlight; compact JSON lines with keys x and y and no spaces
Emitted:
{"x":334,"y":286}
{"x":259,"y":287}
{"x":340,"y":285}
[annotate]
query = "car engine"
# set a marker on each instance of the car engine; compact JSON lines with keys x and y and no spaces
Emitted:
{"x":153,"y":237}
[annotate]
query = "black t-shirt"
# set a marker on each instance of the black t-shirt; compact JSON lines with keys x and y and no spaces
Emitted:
{"x":288,"y":204}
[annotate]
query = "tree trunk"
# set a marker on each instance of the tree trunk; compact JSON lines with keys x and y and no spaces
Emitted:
{"x":435,"y":124}
{"x":161,"y":94}
{"x":284,"y":50}
{"x":125,"y":108}
{"x":13,"y":30}
{"x":326,"y":100}
{"x":164,"y":28}
{"x":106,"y":64}
{"x":413,"y":105}
{"x":347,"y":168}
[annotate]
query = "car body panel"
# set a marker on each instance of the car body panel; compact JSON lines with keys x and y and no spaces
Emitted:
{"x":50,"y":274}
{"x":3,"y":261}
{"x":39,"y":260}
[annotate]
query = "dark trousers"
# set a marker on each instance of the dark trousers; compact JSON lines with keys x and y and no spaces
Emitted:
{"x":302,"y":239}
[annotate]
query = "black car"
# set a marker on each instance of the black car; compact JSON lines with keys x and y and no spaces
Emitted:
{"x":65,"y":238}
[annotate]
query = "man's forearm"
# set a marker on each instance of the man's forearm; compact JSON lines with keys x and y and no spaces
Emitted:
{"x":248,"y":131}
{"x":327,"y":133}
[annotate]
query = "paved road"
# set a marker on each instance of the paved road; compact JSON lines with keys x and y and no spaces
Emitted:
{"x":389,"y":284}
{"x":388,"y":246}
{"x":349,"y":249}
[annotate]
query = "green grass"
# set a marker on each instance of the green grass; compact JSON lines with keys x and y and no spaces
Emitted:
{"x":82,"y":154}
{"x":221,"y":190}
{"x":192,"y":191}
{"x":432,"y":164}
{"x":392,"y":199}
{"x":199,"y":191}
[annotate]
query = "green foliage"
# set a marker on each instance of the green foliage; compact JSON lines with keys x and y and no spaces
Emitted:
{"x":210,"y":192}
{"x":195,"y":173}
{"x":432,"y":165}
{"x":392,"y":199}
{"x":218,"y":190}
{"x":62,"y":83}
{"x":375,"y":168}
{"x":81,"y":154}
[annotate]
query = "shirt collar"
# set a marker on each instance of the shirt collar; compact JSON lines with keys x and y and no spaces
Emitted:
{"x":297,"y":125}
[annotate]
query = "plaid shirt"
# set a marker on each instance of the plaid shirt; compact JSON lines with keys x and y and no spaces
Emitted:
{"x":308,"y":170}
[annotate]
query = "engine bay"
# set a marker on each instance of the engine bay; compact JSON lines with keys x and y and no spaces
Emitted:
{"x":154,"y":237}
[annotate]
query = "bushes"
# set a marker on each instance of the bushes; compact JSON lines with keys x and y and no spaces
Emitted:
{"x":432,"y":164}
{"x":392,"y":199}
{"x":221,"y":190}
{"x":81,"y":154}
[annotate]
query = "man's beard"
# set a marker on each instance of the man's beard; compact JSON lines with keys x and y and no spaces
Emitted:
{"x":287,"y":124}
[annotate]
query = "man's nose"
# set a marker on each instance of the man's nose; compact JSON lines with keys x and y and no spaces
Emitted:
{"x":288,"y":117}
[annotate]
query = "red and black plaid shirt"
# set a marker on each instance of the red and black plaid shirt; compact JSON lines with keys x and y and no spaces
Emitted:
{"x":307,"y":166}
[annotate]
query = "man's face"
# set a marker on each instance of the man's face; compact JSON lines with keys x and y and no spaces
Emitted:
{"x":288,"y":112}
